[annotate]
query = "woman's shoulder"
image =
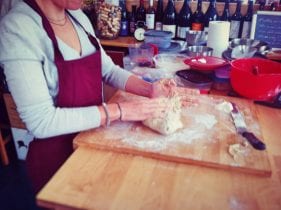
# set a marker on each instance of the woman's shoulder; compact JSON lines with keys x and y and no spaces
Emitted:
{"x":83,"y":19}
{"x":21,"y":16}
{"x":21,"y":33}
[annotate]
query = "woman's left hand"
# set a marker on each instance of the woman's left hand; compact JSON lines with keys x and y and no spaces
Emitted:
{"x":168,"y":88}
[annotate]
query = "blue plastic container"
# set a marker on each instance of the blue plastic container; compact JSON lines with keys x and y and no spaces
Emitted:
{"x":160,"y":38}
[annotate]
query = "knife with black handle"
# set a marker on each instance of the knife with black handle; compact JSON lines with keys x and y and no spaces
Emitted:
{"x":241,"y":128}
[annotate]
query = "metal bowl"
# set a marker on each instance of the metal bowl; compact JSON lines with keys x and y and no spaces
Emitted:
{"x":243,"y":51}
{"x":194,"y":51}
{"x":196,"y":37}
{"x":259,"y":45}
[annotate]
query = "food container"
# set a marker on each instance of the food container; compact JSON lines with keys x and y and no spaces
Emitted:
{"x":196,"y":37}
{"x":141,"y":54}
{"x":256,"y":78}
{"x":194,"y":51}
{"x":170,"y":61}
{"x":160,"y":38}
{"x":107,"y":20}
{"x":194,"y":79}
{"x":221,"y":79}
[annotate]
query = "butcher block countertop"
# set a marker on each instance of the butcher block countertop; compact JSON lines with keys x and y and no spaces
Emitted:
{"x":102,"y":176}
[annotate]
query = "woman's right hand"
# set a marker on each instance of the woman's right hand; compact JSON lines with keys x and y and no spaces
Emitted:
{"x":143,"y":109}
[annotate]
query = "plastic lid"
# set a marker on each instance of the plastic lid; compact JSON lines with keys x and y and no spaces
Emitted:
{"x":156,"y":33}
{"x":174,"y":47}
{"x":194,"y":76}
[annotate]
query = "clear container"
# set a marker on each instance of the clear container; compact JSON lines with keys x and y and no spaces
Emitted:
{"x":141,"y":54}
{"x":222,"y":79}
{"x":170,"y":61}
{"x":160,"y":38}
{"x":107,"y":20}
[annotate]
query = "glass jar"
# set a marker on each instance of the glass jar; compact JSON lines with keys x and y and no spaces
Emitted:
{"x":108,"y":20}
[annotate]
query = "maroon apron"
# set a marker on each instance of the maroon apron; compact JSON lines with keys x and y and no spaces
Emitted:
{"x":80,"y":85}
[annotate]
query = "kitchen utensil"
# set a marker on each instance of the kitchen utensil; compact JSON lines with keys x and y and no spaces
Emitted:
{"x":259,"y":45}
{"x":241,"y":128}
{"x":195,"y":79}
{"x":141,"y":54}
{"x":196,"y":143}
{"x":194,"y":51}
{"x":250,"y":48}
{"x":222,"y":79}
{"x":173,"y":48}
{"x":256,"y":78}
{"x":170,"y":61}
{"x":160,"y":38}
{"x":276,"y":103}
{"x":205,"y":63}
{"x":243,"y":51}
{"x":196,"y":37}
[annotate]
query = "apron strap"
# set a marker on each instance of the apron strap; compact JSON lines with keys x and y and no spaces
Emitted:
{"x":90,"y":36}
{"x":47,"y":26}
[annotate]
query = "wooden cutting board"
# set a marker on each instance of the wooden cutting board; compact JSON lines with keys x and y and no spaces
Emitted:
{"x":204,"y":140}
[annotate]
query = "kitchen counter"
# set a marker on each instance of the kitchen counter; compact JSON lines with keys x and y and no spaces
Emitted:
{"x":98,"y":179}
{"x":124,"y":41}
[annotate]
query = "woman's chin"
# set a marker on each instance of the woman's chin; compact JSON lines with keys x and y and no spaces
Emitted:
{"x":74,"y":4}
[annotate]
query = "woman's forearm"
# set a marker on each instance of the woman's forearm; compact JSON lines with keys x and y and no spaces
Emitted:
{"x":138,"y":86}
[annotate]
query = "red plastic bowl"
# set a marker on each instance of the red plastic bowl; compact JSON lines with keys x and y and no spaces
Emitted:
{"x":256,"y":78}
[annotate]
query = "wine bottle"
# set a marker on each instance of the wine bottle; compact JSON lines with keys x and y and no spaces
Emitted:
{"x":210,"y":15}
{"x":226,"y":13}
{"x":183,"y":20}
{"x":159,"y":15}
{"x":124,"y":29}
{"x":235,"y":24}
{"x":247,"y":21}
{"x":169,"y":18}
{"x":150,"y":16}
{"x":262,"y":4}
{"x":197,"y":18}
{"x":132,"y":22}
{"x":274,"y":5}
{"x":140,"y":15}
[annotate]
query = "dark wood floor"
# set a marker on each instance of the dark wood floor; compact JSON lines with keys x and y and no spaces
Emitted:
{"x":15,"y":189}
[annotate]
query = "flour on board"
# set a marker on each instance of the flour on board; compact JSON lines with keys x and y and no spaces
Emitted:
{"x":207,"y":120}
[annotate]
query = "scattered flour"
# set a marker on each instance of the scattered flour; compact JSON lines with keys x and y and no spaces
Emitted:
{"x":160,"y":142}
{"x":224,"y":107}
{"x":207,"y":120}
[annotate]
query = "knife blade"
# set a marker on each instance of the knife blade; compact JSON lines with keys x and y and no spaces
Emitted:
{"x":241,"y":128}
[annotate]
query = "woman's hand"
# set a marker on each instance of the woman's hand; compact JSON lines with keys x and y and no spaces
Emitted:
{"x":142,"y":109}
{"x":168,"y":88}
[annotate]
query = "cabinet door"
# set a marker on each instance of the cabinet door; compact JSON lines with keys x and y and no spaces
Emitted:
{"x":116,"y":56}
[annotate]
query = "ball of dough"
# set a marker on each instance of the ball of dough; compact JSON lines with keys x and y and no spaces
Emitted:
{"x":171,"y":121}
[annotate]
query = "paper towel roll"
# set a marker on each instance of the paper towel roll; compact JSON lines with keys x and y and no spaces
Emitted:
{"x":218,"y":36}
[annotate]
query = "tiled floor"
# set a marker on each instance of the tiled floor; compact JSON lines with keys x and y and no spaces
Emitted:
{"x":15,"y":190}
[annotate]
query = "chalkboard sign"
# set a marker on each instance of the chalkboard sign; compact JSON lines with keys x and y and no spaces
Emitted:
{"x":266,"y":26}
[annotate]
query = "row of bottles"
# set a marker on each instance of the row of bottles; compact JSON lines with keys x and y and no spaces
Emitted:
{"x":178,"y":24}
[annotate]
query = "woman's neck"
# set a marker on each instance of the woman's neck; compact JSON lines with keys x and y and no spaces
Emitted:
{"x":51,"y":10}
